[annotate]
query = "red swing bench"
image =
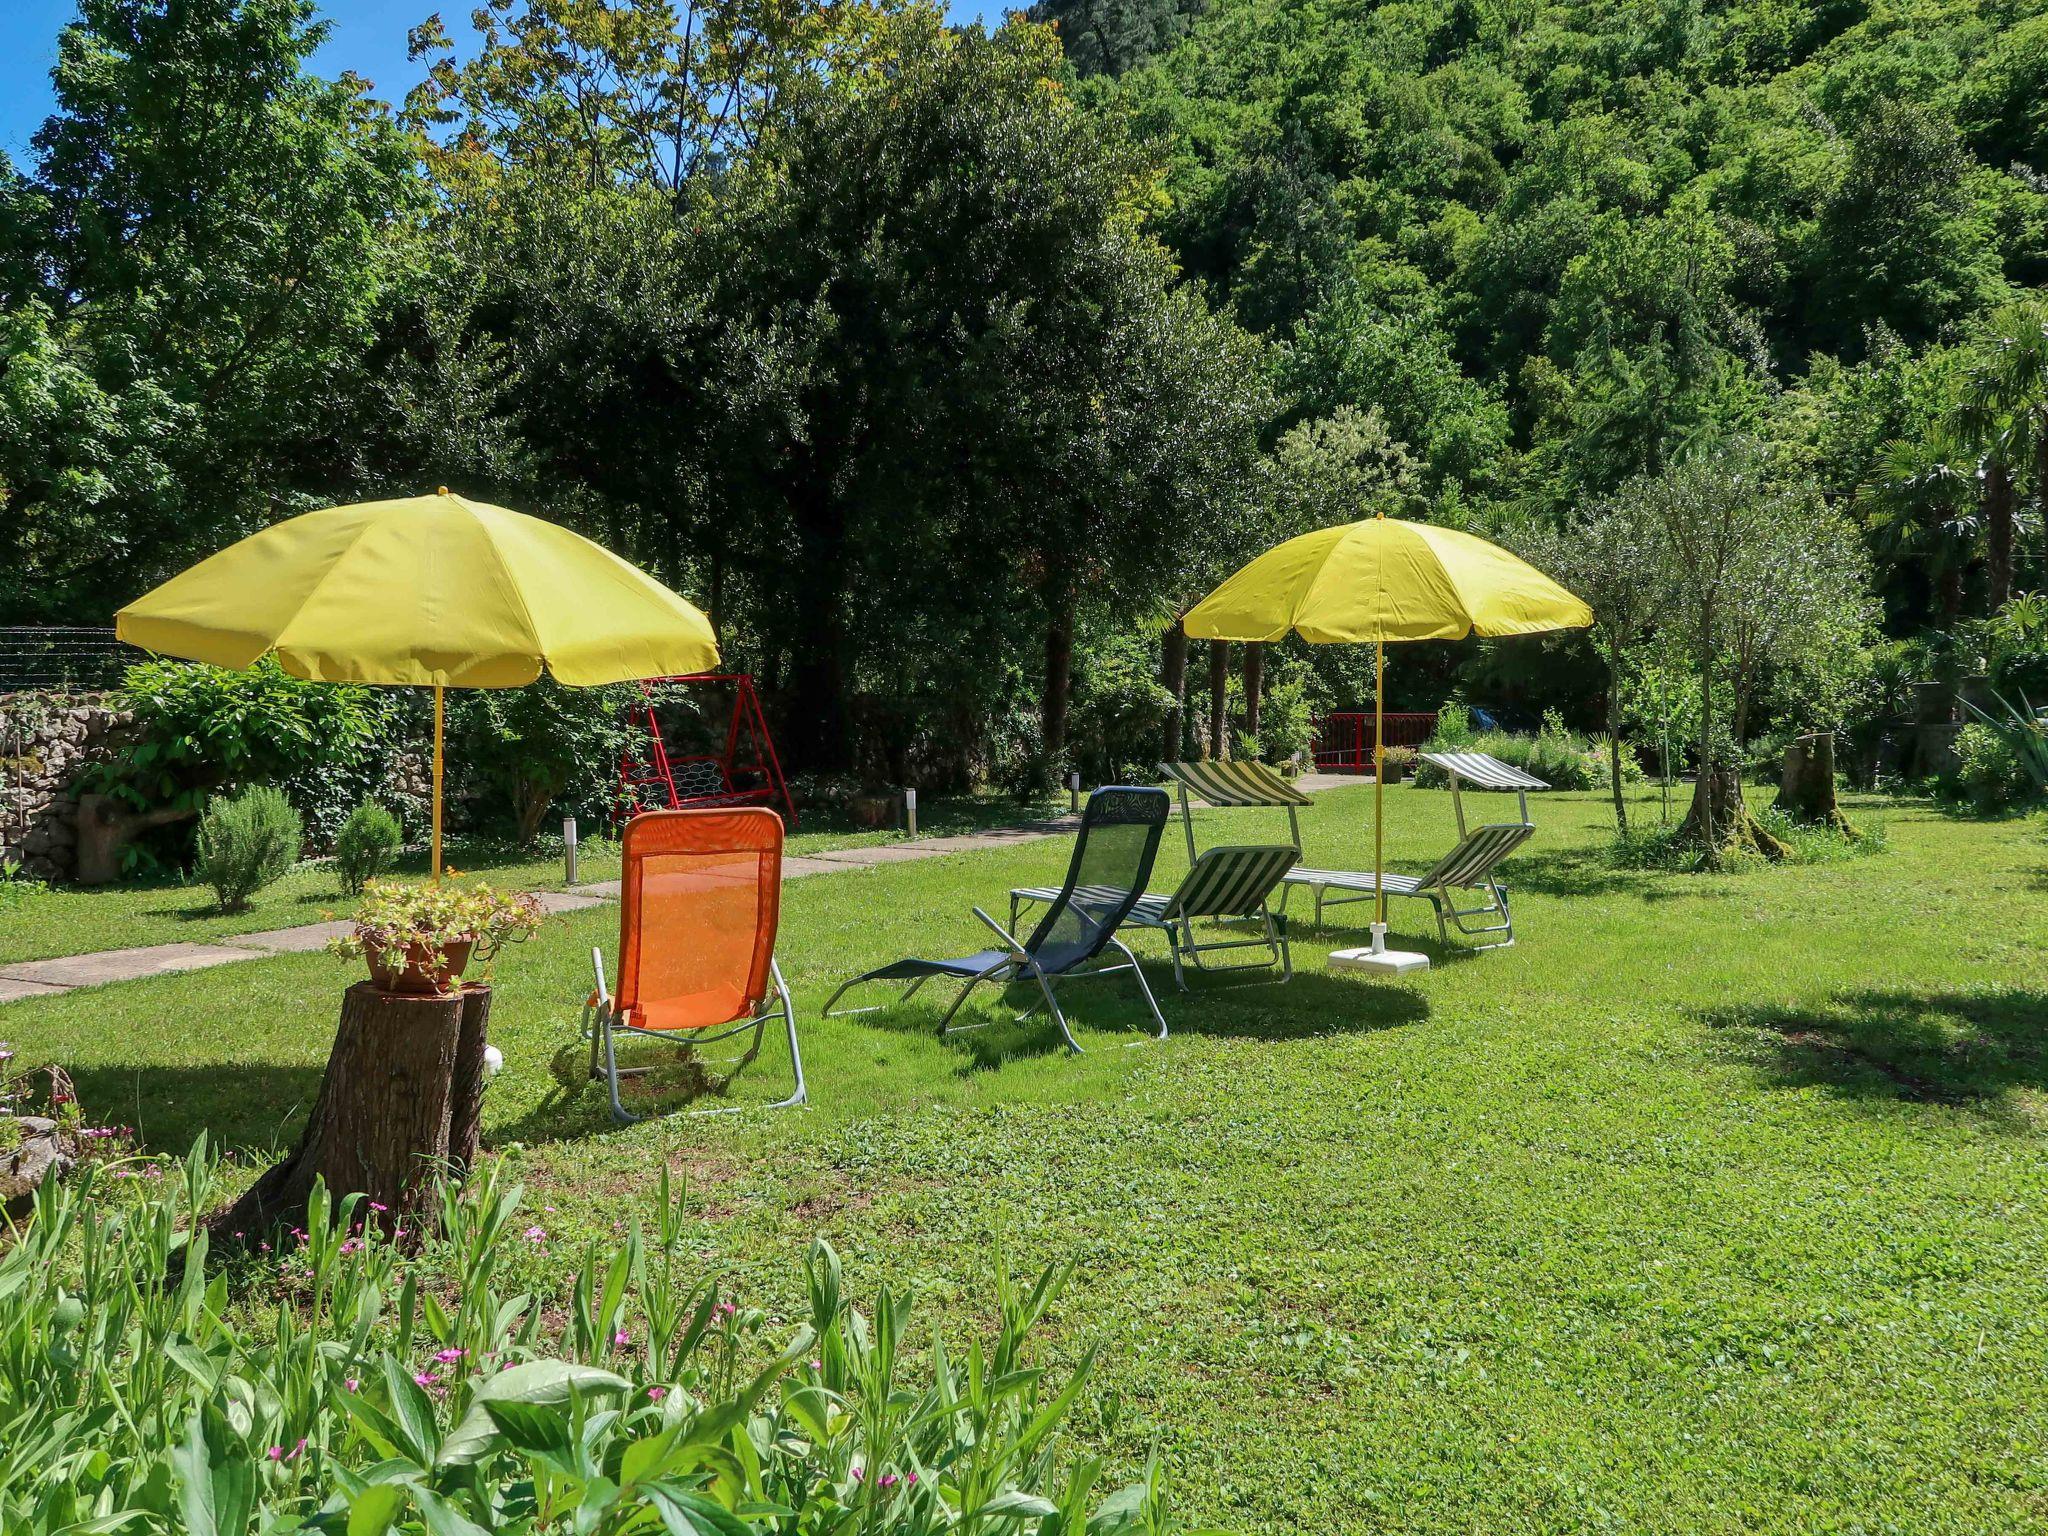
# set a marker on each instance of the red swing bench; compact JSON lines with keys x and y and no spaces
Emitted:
{"x":744,"y":771}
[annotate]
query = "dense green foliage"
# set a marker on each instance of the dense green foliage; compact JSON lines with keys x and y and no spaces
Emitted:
{"x":247,"y":841}
{"x":143,"y":1387}
{"x":937,"y":363}
{"x":206,"y":727}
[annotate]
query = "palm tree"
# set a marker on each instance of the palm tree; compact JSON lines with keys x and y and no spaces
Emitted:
{"x":1924,"y":511}
{"x":2002,"y":414}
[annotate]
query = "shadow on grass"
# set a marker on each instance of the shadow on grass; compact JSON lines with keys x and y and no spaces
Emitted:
{"x":1965,"y":1049}
{"x":256,"y":1107}
{"x":1109,"y":1014}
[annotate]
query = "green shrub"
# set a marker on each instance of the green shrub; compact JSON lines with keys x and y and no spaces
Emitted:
{"x":246,"y":842}
{"x":1287,"y":725}
{"x":396,"y":1394}
{"x":204,"y":727}
{"x":365,"y":845}
{"x":524,"y":751}
{"x":1990,"y":772}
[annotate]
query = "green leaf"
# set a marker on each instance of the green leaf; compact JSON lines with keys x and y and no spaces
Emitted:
{"x":684,"y":1513}
{"x":375,"y":1508}
{"x":536,"y":1381}
{"x":1015,"y":1504}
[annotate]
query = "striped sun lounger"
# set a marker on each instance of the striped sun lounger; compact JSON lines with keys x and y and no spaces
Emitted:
{"x":1222,"y":885}
{"x":1473,"y":865}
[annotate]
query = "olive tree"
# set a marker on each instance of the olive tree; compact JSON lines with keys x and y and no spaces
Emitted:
{"x":1612,"y":553}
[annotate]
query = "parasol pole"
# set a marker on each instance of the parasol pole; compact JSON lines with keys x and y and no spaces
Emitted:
{"x":1379,"y":790}
{"x":437,"y":781}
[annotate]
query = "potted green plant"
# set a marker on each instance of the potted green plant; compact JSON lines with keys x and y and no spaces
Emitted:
{"x":421,"y":938}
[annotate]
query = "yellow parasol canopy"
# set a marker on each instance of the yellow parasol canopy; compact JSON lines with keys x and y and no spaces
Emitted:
{"x":1384,"y":579}
{"x":1379,"y":580}
{"x":432,"y":591}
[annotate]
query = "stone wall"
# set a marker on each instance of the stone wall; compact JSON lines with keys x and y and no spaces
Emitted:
{"x":47,"y":741}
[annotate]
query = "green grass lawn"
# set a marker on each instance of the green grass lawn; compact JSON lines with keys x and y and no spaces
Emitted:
{"x":1716,"y":1204}
{"x":69,"y":920}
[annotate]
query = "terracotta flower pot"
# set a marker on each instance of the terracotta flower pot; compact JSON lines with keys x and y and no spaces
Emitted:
{"x":415,"y":973}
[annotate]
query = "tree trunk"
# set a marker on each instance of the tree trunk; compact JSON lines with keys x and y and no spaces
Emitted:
{"x":1998,"y":524}
{"x":1701,"y":817}
{"x":1173,"y":677}
{"x":1059,"y":679}
{"x":105,"y":831}
{"x":1806,"y":785}
{"x":1718,"y":803}
{"x":1219,"y":699}
{"x":1254,"y":685}
{"x":400,"y":1100}
{"x":1614,"y":745}
{"x":2041,"y":486}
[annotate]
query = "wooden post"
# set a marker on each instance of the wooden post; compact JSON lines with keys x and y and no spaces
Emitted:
{"x":400,"y":1100}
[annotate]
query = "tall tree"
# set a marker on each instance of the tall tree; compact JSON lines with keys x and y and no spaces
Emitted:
{"x":2002,"y":414}
{"x":204,"y":246}
{"x":1612,"y":554}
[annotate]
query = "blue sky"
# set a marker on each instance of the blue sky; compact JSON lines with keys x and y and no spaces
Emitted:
{"x":368,"y":37}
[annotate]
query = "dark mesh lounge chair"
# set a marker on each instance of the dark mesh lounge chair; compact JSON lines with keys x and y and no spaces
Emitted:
{"x":1119,"y":838}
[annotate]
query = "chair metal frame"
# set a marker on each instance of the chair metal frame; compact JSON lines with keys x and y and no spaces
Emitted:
{"x":1175,"y":916}
{"x":603,"y":1021}
{"x":1019,"y":957}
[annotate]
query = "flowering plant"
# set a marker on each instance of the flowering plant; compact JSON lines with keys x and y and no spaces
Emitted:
{"x":425,"y":922}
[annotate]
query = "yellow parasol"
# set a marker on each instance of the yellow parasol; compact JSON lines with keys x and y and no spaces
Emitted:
{"x":1380,"y":580}
{"x":429,"y":591}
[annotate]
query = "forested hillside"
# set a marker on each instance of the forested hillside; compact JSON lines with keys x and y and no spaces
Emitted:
{"x":947,"y":369}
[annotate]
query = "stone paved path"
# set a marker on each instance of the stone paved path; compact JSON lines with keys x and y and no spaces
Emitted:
{"x":46,"y":978}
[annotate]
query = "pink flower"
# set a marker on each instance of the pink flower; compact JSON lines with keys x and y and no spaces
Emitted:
{"x":449,"y":1356}
{"x":911,"y":1479}
{"x":351,"y":1383}
{"x":425,"y":1378}
{"x":726,"y":1309}
{"x":857,"y":1474}
{"x":536,"y":1234}
{"x":279,"y":1453}
{"x":656,"y":1394}
{"x":621,"y":1337}
{"x":379,"y":1206}
{"x":888,"y":1480}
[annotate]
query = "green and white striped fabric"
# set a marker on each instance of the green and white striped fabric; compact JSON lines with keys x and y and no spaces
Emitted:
{"x":1229,"y":785}
{"x":1474,"y":862}
{"x":1231,"y":882}
{"x":1225,"y":882}
{"x":1482,"y":770}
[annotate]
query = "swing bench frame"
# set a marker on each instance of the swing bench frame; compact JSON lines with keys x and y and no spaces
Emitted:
{"x":648,"y":774}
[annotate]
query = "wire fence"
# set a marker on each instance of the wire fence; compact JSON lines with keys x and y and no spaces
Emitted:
{"x":61,"y":660}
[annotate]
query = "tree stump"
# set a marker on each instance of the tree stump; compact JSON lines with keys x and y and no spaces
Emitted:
{"x":1806,"y":788}
{"x":466,"y":1102}
{"x":400,"y":1100}
{"x":1734,"y":827}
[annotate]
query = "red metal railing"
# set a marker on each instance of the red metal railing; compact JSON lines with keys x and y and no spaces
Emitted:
{"x":1344,"y":742}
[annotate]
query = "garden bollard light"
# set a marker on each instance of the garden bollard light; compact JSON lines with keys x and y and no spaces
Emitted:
{"x":1073,"y":793}
{"x":910,"y":811}
{"x":568,"y":850}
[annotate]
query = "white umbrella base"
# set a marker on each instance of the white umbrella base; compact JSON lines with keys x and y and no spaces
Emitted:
{"x":1378,"y":960}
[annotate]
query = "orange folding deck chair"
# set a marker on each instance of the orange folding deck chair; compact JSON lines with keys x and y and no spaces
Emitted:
{"x":699,"y":895}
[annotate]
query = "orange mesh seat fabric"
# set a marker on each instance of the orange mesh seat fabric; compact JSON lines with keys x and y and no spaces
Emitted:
{"x":700,"y":893}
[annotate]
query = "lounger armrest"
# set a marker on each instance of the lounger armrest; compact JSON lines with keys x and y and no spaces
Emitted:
{"x":602,"y":996}
{"x":1008,"y":937}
